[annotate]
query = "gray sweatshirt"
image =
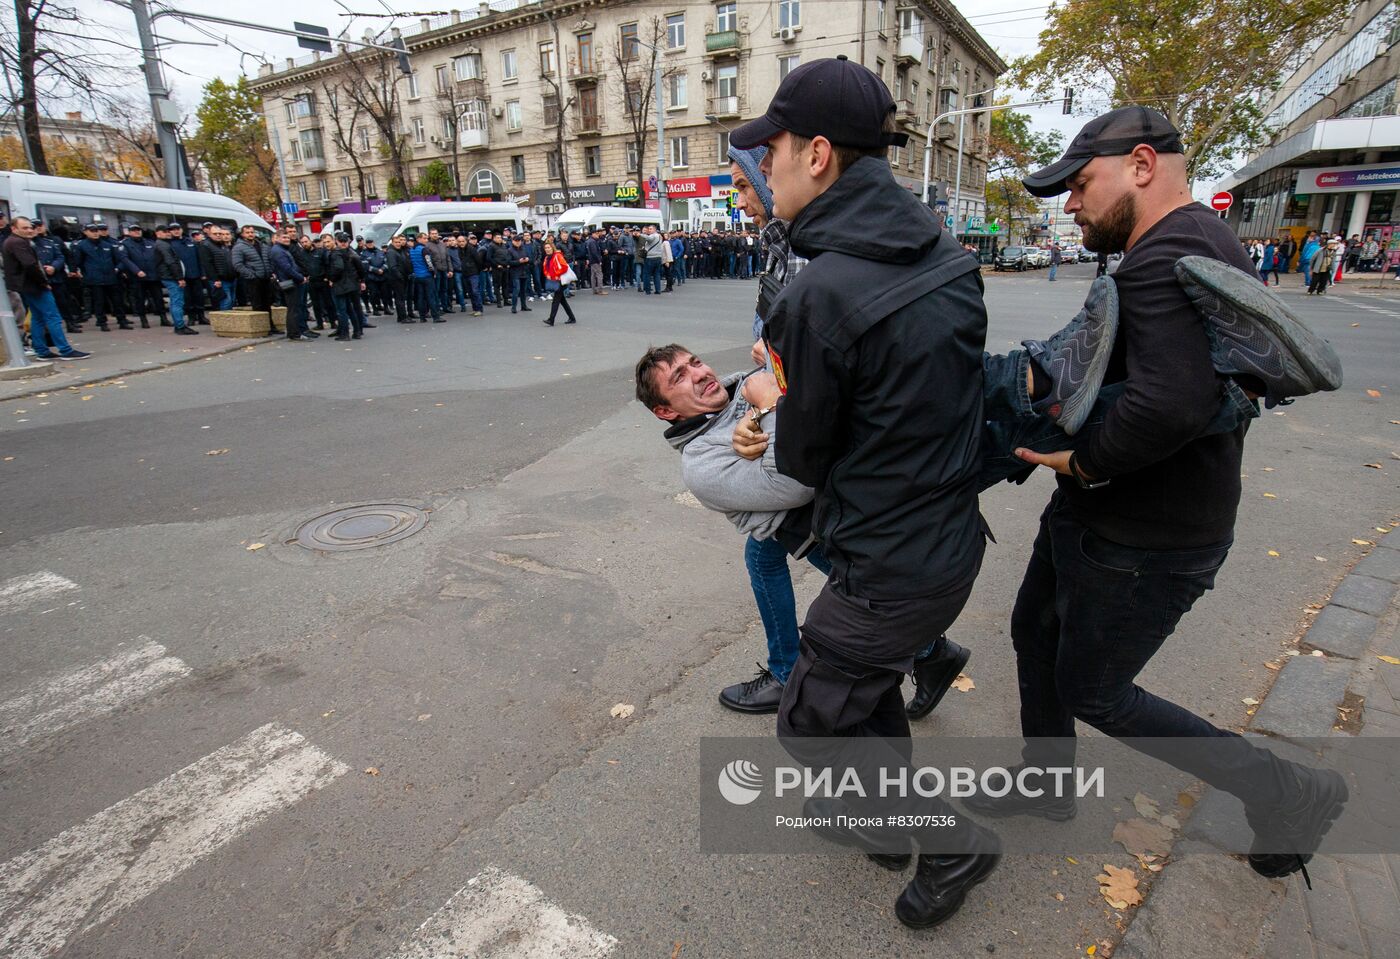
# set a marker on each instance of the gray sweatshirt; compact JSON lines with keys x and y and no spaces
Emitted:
{"x":752,"y":493}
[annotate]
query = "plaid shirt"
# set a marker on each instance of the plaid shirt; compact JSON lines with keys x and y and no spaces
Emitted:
{"x":781,"y":265}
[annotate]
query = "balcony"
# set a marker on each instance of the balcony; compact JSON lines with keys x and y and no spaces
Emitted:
{"x":725,"y":106}
{"x":910,"y":50}
{"x":588,"y":72}
{"x":474,"y":89}
{"x":945,"y":130}
{"x":949,"y":82}
{"x":468,"y":139}
{"x":906,"y":112}
{"x":586,"y":125}
{"x":314,"y":164}
{"x":722,"y":42}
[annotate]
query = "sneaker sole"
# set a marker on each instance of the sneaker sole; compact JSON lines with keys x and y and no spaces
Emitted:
{"x":1306,"y":362}
{"x":954,"y":667}
{"x":1075,"y":410}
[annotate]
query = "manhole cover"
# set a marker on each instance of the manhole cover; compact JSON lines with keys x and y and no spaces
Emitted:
{"x":361,"y":527}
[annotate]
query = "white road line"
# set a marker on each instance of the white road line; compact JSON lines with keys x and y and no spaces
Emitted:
{"x":23,"y":590}
{"x":88,"y":874}
{"x":504,"y":917}
{"x":86,"y":693}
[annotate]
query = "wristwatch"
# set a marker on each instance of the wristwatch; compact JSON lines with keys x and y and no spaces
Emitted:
{"x":1084,"y":481}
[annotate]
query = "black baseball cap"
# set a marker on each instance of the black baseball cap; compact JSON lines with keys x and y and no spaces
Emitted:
{"x":833,"y":98}
{"x":1116,"y":133}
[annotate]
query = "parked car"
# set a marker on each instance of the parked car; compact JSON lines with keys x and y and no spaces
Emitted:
{"x":1012,"y":258}
{"x":1087,"y":256}
{"x":1039,"y":257}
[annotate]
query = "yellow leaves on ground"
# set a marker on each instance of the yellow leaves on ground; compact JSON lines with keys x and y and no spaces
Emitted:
{"x":1119,"y":887}
{"x":622,"y":710}
{"x":1374,"y":394}
{"x":964,"y":683}
{"x":255,"y":546}
{"x":1389,"y":659}
{"x":1143,"y":838}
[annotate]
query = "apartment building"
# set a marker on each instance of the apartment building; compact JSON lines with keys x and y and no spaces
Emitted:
{"x":496,"y":91}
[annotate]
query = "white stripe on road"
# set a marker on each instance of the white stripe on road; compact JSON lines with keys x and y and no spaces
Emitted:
{"x":88,"y":874}
{"x":86,"y":693}
{"x":504,"y":917}
{"x":23,"y":590}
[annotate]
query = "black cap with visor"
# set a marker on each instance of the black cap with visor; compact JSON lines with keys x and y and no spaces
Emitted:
{"x":1116,"y":133}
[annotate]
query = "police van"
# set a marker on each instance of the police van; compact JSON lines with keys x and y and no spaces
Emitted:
{"x":445,"y":216}
{"x":64,"y":204}
{"x":590,"y":218}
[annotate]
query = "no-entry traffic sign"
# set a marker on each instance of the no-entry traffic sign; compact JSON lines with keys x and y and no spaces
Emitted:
{"x":1221,"y":201}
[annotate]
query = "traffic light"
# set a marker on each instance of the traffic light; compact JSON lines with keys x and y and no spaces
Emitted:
{"x":729,"y":201}
{"x":1069,"y":101}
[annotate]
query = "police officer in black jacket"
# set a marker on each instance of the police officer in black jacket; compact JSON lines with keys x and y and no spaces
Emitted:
{"x":100,"y":260}
{"x":876,"y":349}
{"x":144,"y":293}
{"x":398,"y":275}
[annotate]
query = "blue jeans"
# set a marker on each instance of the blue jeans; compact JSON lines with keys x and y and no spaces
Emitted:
{"x":767,"y":562}
{"x":46,"y":324}
{"x":443,"y":290}
{"x":519,"y":290}
{"x":474,"y":288}
{"x":425,"y":297}
{"x":221,"y":297}
{"x":651,"y":276}
{"x":487,"y":290}
{"x":176,"y":292}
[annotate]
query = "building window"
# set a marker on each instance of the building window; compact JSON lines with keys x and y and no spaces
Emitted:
{"x":880,"y":69}
{"x":675,"y":92}
{"x":632,"y":158}
{"x":928,"y":106}
{"x":412,"y":86}
{"x":726,"y":17}
{"x":449,"y":127}
{"x":324,"y":189}
{"x":585,"y":53}
{"x":894,"y":156}
{"x":508,"y":67}
{"x":631,"y":49}
{"x":301,"y":192}
{"x":634,"y":97}
{"x":880,"y":15}
{"x":440,"y":79}
{"x":291,"y":113}
{"x":593,"y":161}
{"x":551,"y":160}
{"x":517,"y":169}
{"x":588,"y":106}
{"x":513,"y":115}
{"x":727,"y":80}
{"x":722,"y":148}
{"x":345,"y":191}
{"x":369,"y":185}
{"x":551,"y":109}
{"x":311,"y":145}
{"x":680,"y":152}
{"x":304,"y":105}
{"x":420,"y":130}
{"x":296,"y":151}
{"x":486,"y":182}
{"x":675,"y":31}
{"x":787,"y":64}
{"x":547,"y":65}
{"x":364,"y":139}
{"x":468,"y":67}
{"x":789,"y":13}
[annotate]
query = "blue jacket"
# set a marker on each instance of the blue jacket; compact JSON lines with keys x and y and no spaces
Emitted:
{"x":422,"y":266}
{"x":142,"y":256}
{"x":99,"y":260}
{"x":51,"y":252}
{"x":188,"y":253}
{"x":283,"y":266}
{"x":677,"y":247}
{"x":1267,"y":263}
{"x":1309,"y":248}
{"x":374,"y":263}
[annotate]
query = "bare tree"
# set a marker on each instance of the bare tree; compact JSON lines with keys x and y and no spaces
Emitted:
{"x":343,"y":129}
{"x":450,"y":111}
{"x":636,"y":66}
{"x":373,"y":87}
{"x":562,"y":102}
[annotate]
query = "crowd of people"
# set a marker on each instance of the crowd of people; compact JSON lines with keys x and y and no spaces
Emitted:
{"x":1322,"y":258}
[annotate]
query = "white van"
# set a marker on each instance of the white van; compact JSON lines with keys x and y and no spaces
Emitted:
{"x":410,"y":219}
{"x":604,"y":217}
{"x":65,"y":204}
{"x":350,"y":223}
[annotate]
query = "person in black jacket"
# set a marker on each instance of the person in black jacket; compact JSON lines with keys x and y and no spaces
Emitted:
{"x":171,"y":271}
{"x":876,"y":349}
{"x":310,"y":263}
{"x":398,"y":277}
{"x":498,"y":255}
{"x":344,"y":279}
{"x":53,"y":256}
{"x":99,"y":260}
{"x":144,"y":293}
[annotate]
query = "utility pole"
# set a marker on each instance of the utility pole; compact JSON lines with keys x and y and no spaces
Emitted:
{"x":281,"y":170}
{"x":164,"y":112}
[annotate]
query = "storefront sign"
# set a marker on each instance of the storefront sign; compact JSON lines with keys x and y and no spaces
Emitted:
{"x":626,"y":194}
{"x":1349,"y":179}
{"x":578,"y":195}
{"x":376,"y":205}
{"x":688,"y":187}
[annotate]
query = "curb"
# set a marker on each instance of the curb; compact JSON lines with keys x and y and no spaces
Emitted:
{"x":1207,"y":905}
{"x":230,"y":348}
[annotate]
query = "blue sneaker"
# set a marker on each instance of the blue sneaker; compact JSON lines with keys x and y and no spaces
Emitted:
{"x":73,"y":355}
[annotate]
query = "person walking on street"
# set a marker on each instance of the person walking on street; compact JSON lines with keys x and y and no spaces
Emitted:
{"x":1057,"y":257}
{"x":555,"y":267}
{"x":1287,"y":247}
{"x":26,"y":276}
{"x":1323,"y":262}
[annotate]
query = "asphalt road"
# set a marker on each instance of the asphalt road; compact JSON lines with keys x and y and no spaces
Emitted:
{"x":212,"y":750}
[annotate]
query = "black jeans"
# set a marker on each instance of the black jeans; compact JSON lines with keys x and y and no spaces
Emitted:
{"x":557,"y":300}
{"x":1090,"y":614}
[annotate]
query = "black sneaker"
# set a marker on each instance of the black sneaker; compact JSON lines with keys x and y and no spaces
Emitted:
{"x":934,"y":676}
{"x":1252,"y":332}
{"x":759,"y":695}
{"x":941,"y":883}
{"x":73,"y":355}
{"x":185,"y":331}
{"x":1287,"y":838}
{"x":1076,"y":357}
{"x":1046,"y":806}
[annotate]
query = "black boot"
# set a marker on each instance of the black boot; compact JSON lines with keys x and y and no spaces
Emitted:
{"x":933,"y":676}
{"x":759,"y":695}
{"x":125,"y":325}
{"x":1287,"y":837}
{"x":165,"y":320}
{"x":1047,"y":806}
{"x":941,"y":883}
{"x":145,"y":323}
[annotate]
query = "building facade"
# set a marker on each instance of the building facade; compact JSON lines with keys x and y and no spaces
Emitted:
{"x":1334,"y":163}
{"x":491,"y":87}
{"x":79,"y":147}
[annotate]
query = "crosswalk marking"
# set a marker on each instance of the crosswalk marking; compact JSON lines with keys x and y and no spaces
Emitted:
{"x":23,"y":590}
{"x":86,"y":693}
{"x":89,"y":873}
{"x":504,"y":917}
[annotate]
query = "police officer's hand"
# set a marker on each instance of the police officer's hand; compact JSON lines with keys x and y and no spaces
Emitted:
{"x":1059,"y":462}
{"x":748,"y":441}
{"x":761,"y":390}
{"x":141,"y":274}
{"x":759,"y":353}
{"x":182,"y":283}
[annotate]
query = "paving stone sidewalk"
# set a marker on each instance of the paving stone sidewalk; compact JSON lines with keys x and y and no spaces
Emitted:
{"x":1214,"y":905}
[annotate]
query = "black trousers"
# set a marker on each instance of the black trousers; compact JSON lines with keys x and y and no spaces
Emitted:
{"x":103,"y":300}
{"x":397,"y":288}
{"x":259,"y":291}
{"x":560,"y":299}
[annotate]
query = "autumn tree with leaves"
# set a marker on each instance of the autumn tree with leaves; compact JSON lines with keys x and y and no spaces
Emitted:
{"x":371,"y":86}
{"x":231,"y":138}
{"x":1208,"y":65}
{"x":1014,"y":150}
{"x":346,"y":113}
